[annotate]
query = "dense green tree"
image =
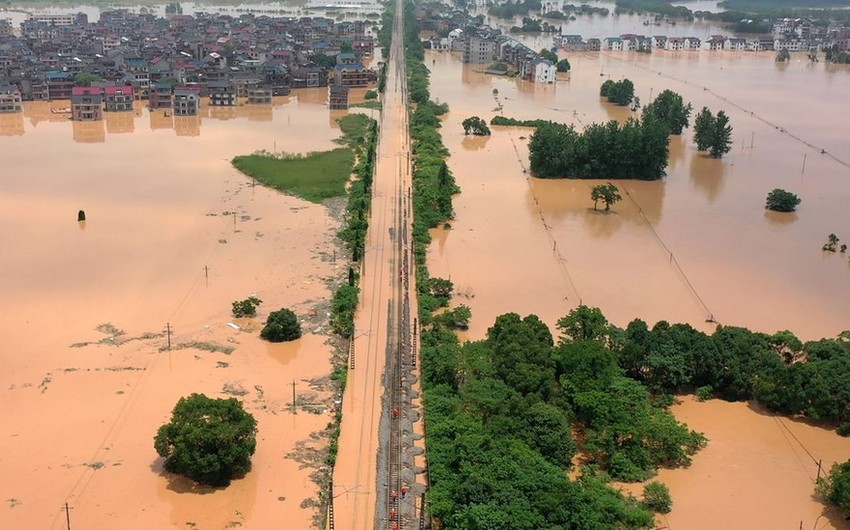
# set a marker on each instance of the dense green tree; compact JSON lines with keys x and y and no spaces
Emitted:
{"x":713,"y":133}
{"x":783,"y":56}
{"x":246,"y":307}
{"x":669,"y":108}
{"x":281,"y":326}
{"x":780,"y":200}
{"x":343,"y":307}
{"x":549,"y":55}
{"x":208,"y":440}
{"x":635,"y":149}
{"x":607,"y":193}
{"x":835,"y":487}
{"x":722,"y":138}
{"x":323,"y":61}
{"x":475,"y":126}
{"x":704,"y":129}
{"x":563,"y":65}
{"x":620,"y":92}
{"x":456,"y":318}
{"x":583,"y":323}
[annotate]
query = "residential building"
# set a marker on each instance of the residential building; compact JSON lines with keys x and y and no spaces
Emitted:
{"x":259,"y":94}
{"x":187,"y":100}
{"x":338,"y":97}
{"x":86,"y":103}
{"x":221,"y":94}
{"x":10,"y":99}
{"x":118,"y":98}
{"x":478,"y":50}
{"x":160,"y":96}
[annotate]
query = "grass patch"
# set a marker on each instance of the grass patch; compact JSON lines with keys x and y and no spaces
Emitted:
{"x":367,"y":105}
{"x":313,"y":177}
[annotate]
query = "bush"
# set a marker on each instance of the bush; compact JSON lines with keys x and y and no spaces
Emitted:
{"x":835,"y":487}
{"x":370,"y":94}
{"x":246,"y":307}
{"x":704,"y":393}
{"x":208,"y":440}
{"x":780,"y":200}
{"x":844,"y":429}
{"x":281,"y":326}
{"x":656,"y":497}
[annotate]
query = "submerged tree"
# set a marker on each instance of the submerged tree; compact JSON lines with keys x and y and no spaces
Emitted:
{"x":780,"y":200}
{"x":607,"y":193}
{"x":831,"y":241}
{"x":713,"y":133}
{"x":475,"y":126}
{"x":783,"y":56}
{"x":669,"y":108}
{"x":281,"y":326}
{"x":835,"y":487}
{"x":208,"y":440}
{"x":620,"y":92}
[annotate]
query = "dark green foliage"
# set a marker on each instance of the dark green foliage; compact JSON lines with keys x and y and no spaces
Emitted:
{"x":607,"y":193}
{"x":661,"y":7}
{"x":246,"y":307}
{"x":620,"y":92}
{"x":281,"y":326}
{"x":656,"y":497}
{"x":713,"y":133}
{"x":549,"y":55}
{"x":476,"y":126}
{"x":501,"y":120}
{"x":457,"y":318}
{"x":323,"y":61}
{"x":370,"y":94}
{"x":636,"y":149}
{"x":835,"y":487}
{"x":583,"y":323}
{"x":208,"y":440}
{"x":343,"y":307}
{"x":669,"y":108}
{"x":781,"y":201}
{"x":563,"y":65}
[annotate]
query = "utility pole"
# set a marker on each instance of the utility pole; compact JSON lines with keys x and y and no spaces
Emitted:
{"x":68,"y":516}
{"x":168,"y":334}
{"x":294,"y":410}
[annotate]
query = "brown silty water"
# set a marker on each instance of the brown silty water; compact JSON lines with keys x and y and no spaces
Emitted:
{"x":694,"y":246}
{"x":173,"y":235}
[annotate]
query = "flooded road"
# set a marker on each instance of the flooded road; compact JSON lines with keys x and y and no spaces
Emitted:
{"x":173,"y":235}
{"x":697,"y":245}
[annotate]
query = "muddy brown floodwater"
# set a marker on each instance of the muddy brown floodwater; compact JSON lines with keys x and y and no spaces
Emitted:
{"x":173,"y":235}
{"x":695,"y":246}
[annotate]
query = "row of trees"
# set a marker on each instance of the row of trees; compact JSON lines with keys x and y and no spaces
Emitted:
{"x":713,"y":133}
{"x":637,"y":149}
{"x":619,"y":92}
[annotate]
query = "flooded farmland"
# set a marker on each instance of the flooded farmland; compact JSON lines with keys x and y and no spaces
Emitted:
{"x":173,"y":235}
{"x":695,"y":246}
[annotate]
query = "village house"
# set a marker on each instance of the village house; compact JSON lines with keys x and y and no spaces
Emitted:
{"x":86,"y":103}
{"x":118,"y":98}
{"x":160,"y":96}
{"x":10,"y":99}
{"x":715,"y":42}
{"x":338,"y":97}
{"x":187,"y":100}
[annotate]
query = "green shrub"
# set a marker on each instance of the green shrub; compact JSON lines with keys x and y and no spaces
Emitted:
{"x":656,"y":497}
{"x":246,"y":307}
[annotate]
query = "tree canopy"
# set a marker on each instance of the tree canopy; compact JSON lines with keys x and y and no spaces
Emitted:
{"x":835,"y":487}
{"x":669,"y":108}
{"x":475,"y":126}
{"x":607,"y":193}
{"x":208,"y":440}
{"x":636,"y":149}
{"x":781,"y":201}
{"x":281,"y":326}
{"x":713,"y":133}
{"x":620,"y":92}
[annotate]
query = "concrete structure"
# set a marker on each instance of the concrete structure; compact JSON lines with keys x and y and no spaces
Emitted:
{"x":479,"y":50}
{"x":187,"y":101}
{"x":338,"y":97}
{"x":160,"y":96}
{"x":10,"y":99}
{"x":118,"y":98}
{"x":86,"y":103}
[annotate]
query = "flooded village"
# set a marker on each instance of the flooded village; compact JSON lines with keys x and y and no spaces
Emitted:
{"x":174,"y":234}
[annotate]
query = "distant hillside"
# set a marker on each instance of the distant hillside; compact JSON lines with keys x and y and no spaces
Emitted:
{"x":772,"y":5}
